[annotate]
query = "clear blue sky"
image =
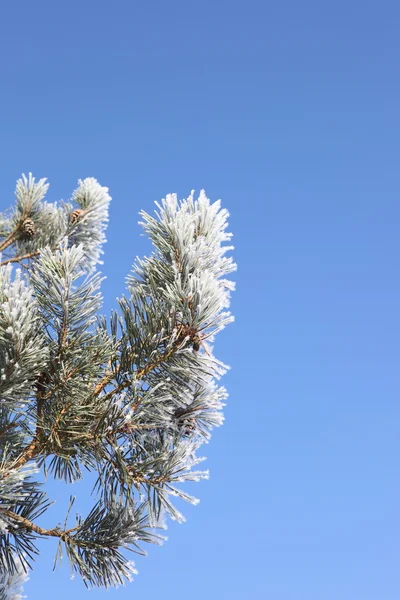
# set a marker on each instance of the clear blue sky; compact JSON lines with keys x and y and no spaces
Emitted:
{"x":289,"y":112}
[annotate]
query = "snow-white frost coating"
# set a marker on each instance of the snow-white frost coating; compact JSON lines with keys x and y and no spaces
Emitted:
{"x":93,"y":199}
{"x":22,"y":345}
{"x":29,"y":192}
{"x":11,"y":584}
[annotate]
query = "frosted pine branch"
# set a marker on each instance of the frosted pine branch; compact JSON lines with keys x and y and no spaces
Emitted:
{"x":131,"y":398}
{"x":90,"y":220}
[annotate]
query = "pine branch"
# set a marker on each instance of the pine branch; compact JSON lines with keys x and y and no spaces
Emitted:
{"x":36,"y":444}
{"x":133,"y":401}
{"x":31,"y":452}
{"x":137,"y":376}
{"x":30,"y":526}
{"x":15,"y":259}
{"x":10,"y":239}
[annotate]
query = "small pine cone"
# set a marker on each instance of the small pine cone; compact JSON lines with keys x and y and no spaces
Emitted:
{"x":76,"y":215}
{"x":28,"y":228}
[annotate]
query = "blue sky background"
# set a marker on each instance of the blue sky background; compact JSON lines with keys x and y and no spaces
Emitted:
{"x":289,"y":112}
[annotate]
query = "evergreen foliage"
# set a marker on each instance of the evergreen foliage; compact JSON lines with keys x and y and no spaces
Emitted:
{"x":130,"y":398}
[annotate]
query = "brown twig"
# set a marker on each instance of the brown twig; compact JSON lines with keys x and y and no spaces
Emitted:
{"x":34,"y":447}
{"x":139,"y":375}
{"x":58,"y":419}
{"x":103,"y":383}
{"x":56,"y":532}
{"x":9,"y":239}
{"x":19,"y":258}
{"x":28,"y":454}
